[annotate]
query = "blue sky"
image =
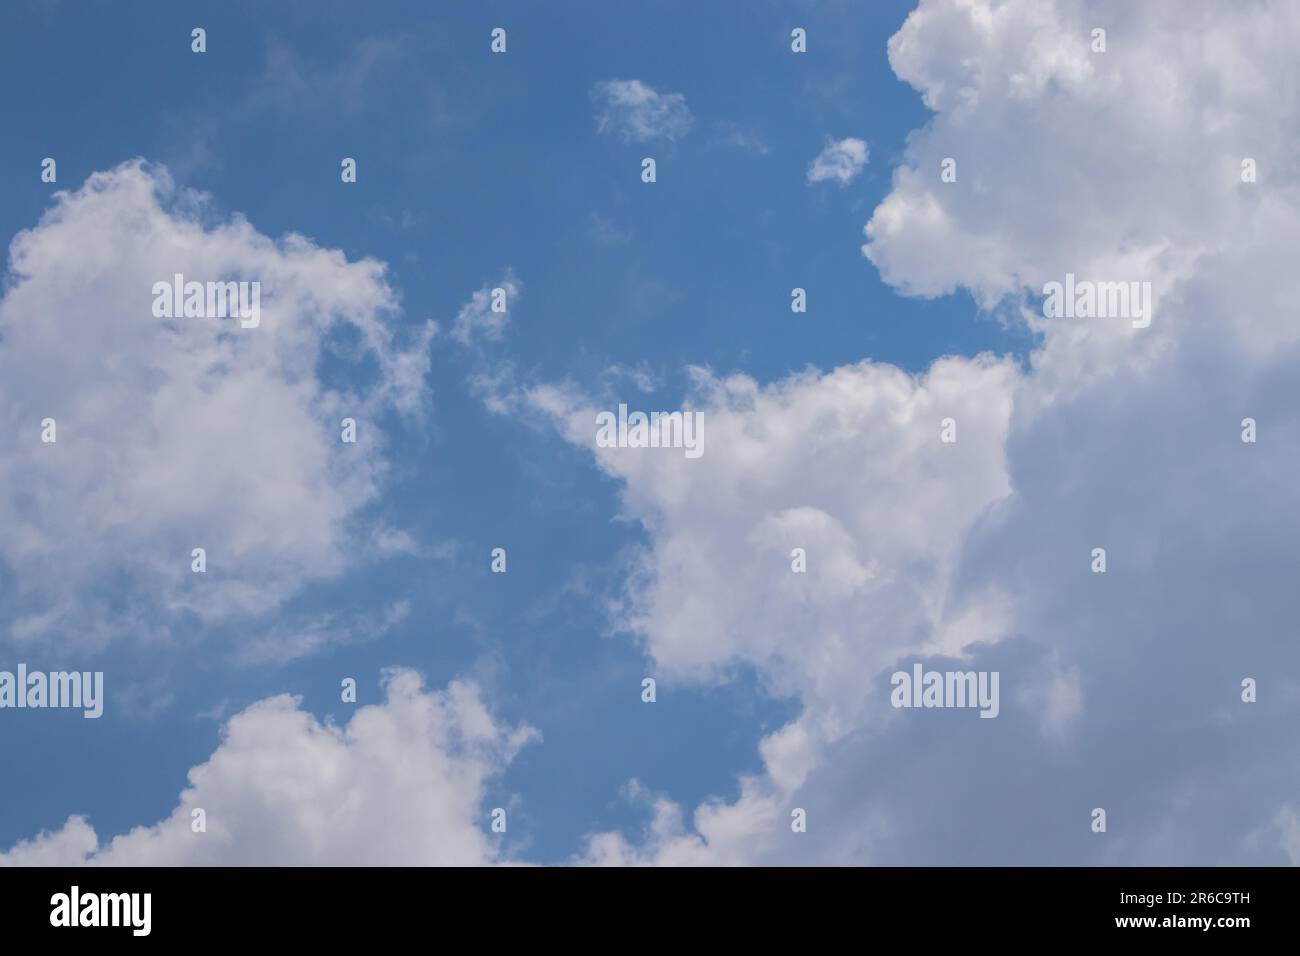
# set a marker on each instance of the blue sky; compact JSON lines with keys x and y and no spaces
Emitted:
{"x":473,"y":167}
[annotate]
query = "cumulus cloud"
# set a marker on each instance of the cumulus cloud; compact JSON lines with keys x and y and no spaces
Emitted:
{"x":715,"y":592}
{"x":70,"y":844}
{"x":1123,"y":688}
{"x":402,"y":784}
{"x":638,"y":113}
{"x":842,"y":160}
{"x":771,"y":479}
{"x":718,"y":835}
{"x":175,"y":434}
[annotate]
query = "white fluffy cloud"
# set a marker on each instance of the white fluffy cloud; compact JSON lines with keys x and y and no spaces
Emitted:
{"x":187,"y":433}
{"x":715,"y":591}
{"x":842,"y":160}
{"x":638,"y":113}
{"x":717,"y":588}
{"x":1118,"y":690}
{"x":403,"y":783}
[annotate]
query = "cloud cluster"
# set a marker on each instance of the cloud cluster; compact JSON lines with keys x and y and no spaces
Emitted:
{"x":176,"y":434}
{"x":1122,"y":689}
{"x":402,"y":784}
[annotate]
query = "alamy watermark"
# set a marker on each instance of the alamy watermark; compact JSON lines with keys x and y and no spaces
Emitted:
{"x":208,"y":300}
{"x":1099,"y":300}
{"x":75,"y":908}
{"x":657,"y":430}
{"x":77,"y":690}
{"x":923,"y":688}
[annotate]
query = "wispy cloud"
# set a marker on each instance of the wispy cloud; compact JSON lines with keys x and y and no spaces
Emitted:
{"x":842,"y":160}
{"x":638,"y":113}
{"x":487,"y":312}
{"x":731,"y":134}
